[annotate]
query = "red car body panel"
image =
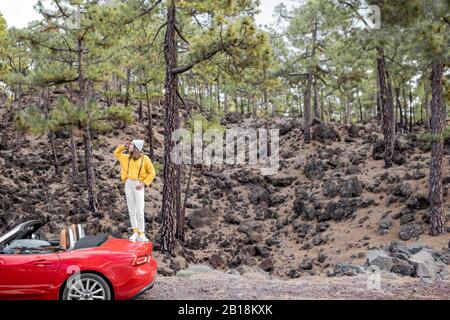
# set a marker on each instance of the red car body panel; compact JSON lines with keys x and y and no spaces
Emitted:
{"x":31,"y":276}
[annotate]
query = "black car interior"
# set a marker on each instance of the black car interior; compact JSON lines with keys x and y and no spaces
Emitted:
{"x":30,"y":241}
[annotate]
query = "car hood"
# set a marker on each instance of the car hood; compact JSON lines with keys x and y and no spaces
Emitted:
{"x":21,"y":231}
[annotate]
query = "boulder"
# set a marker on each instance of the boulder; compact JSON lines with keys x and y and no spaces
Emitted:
{"x":261,"y":251}
{"x":445,"y":258}
{"x":339,"y":210}
{"x":246,"y":176}
{"x":419,"y":175}
{"x":200,"y":218}
{"x":331,"y":188}
{"x":385,"y":225}
{"x":398,"y":247}
{"x":353,"y":131}
{"x":216,"y":261}
{"x":267,"y":265}
{"x":416,"y":247}
{"x":235,"y":262}
{"x":399,"y":159}
{"x":260,"y":194}
{"x":411,"y":230}
{"x":253,"y":230}
{"x":280,"y":181}
{"x":379,"y":258}
{"x":424,"y":263}
{"x":314,"y":170}
{"x":306,"y":211}
{"x":351,"y":188}
{"x":378,"y":150}
{"x":418,"y":201}
{"x":302,"y":229}
{"x":306,"y":264}
{"x":231,"y":218}
{"x":285,"y":129}
{"x":343,"y":269}
{"x":298,"y":207}
{"x":402,"y":267}
{"x":406,"y":218}
{"x":402,"y":189}
{"x":324,"y":132}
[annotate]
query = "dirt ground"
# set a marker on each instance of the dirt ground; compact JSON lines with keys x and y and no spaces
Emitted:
{"x":215,"y":285}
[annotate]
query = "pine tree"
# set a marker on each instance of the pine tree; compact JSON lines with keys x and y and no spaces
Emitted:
{"x":79,"y":38}
{"x":230,"y":31}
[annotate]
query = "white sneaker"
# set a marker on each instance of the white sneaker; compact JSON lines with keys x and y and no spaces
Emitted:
{"x":142,"y":238}
{"x":134,"y":237}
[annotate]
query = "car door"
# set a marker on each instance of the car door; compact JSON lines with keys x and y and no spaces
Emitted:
{"x":27,"y":276}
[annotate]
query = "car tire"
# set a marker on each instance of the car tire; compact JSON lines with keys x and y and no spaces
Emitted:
{"x":86,"y":286}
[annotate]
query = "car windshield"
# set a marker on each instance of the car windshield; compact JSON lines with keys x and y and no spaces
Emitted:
{"x":10,"y":233}
{"x":27,"y":246}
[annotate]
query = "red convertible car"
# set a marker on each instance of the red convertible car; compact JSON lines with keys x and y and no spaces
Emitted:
{"x":75,"y":267}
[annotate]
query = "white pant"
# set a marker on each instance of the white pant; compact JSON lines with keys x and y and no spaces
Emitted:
{"x":135,"y":203}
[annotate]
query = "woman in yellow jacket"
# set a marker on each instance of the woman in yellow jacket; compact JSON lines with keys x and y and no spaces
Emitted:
{"x":137,"y":172}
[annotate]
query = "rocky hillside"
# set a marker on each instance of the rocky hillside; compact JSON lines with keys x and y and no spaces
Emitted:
{"x":330,"y":203}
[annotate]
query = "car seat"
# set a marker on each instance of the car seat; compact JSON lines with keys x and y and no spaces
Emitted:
{"x":64,"y":239}
{"x":80,"y":231}
{"x":67,"y":239}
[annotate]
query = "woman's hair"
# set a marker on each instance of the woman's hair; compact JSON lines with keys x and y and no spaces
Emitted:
{"x":136,"y":153}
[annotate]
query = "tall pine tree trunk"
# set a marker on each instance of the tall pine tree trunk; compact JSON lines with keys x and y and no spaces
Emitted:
{"x":399,"y":107}
{"x":74,"y":156}
{"x":317,"y":108}
{"x":378,"y":111}
{"x":307,"y":110}
{"x":411,"y":110}
{"x":141,"y":110}
{"x":149,"y":124}
{"x":386,"y":108}
{"x":361,"y":117}
{"x":170,"y":201}
{"x":427,"y":104}
{"x":51,"y":134}
{"x":127,"y":87}
{"x":180,"y":234}
{"x":87,"y":140}
{"x":437,"y":150}
{"x":225,"y":104}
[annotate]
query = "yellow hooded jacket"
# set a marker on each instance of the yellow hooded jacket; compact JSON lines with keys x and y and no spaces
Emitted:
{"x":129,"y":168}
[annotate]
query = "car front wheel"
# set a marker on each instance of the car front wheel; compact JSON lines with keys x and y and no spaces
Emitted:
{"x":86,"y":286}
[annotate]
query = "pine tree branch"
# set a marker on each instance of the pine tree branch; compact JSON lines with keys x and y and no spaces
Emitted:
{"x":205,"y":57}
{"x":157,"y":33}
{"x":355,"y":11}
{"x":181,"y":36}
{"x":61,"y":10}
{"x":188,"y":110}
{"x":143,"y":13}
{"x":221,"y":47}
{"x":58,"y":82}
{"x":447,"y":20}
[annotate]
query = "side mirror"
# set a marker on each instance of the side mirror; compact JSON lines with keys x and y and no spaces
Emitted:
{"x":36,"y":236}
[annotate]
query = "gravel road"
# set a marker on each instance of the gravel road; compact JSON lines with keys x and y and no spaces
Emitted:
{"x":212,"y":284}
